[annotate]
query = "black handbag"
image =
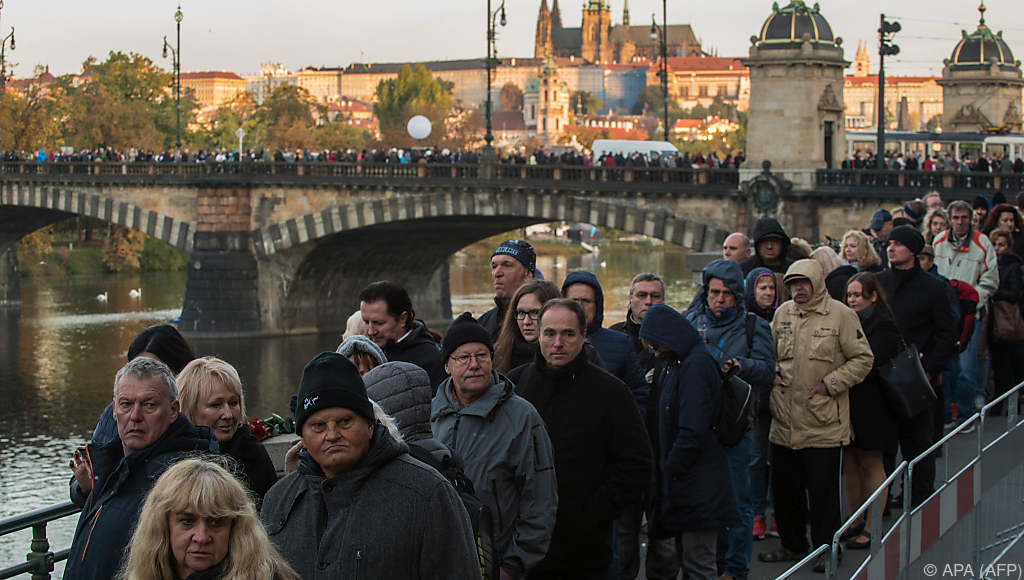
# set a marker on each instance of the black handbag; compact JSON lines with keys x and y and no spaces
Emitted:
{"x":905,"y":384}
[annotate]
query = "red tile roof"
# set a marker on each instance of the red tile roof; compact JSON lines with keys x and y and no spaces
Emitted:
{"x":198,"y":76}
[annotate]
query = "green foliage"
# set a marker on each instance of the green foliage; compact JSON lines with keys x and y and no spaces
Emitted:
{"x":651,"y":102}
{"x":287,"y":118}
{"x":934,"y":123}
{"x":157,"y":256}
{"x":511,"y":97}
{"x":412,"y":93}
{"x":36,"y":246}
{"x":26,"y":121}
{"x":584,"y":103}
{"x":126,"y":102}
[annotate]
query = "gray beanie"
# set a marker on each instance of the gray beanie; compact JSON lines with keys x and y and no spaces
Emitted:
{"x":361,"y":343}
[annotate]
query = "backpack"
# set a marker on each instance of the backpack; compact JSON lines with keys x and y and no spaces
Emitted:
{"x":479,"y":514}
{"x":968,"y":298}
{"x":737,"y":413}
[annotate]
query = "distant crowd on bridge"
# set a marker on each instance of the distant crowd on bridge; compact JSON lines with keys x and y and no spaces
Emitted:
{"x":535,"y":442}
{"x":937,"y":161}
{"x":567,"y":156}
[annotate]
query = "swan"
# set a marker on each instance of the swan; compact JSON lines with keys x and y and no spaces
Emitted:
{"x":135,"y":293}
{"x":102,"y":297}
{"x":604,"y":264}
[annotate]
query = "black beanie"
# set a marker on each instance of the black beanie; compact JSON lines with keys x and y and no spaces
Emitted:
{"x":464,"y":330}
{"x":331,"y":380}
{"x":521,"y":251}
{"x":909,"y":237}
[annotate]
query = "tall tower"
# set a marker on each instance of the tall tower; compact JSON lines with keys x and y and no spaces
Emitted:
{"x":625,"y":13}
{"x":556,"y":16}
{"x":597,"y":24}
{"x":981,"y":84}
{"x":862,"y":62}
{"x":542,"y":41}
{"x":796,"y":118}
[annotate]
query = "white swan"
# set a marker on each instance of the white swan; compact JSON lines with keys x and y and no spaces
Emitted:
{"x":102,"y":297}
{"x":135,"y":293}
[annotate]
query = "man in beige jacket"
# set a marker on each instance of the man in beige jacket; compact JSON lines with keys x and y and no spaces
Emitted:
{"x":821,"y":352}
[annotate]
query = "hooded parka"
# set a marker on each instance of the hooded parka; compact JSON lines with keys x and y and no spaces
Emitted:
{"x":819,"y":341}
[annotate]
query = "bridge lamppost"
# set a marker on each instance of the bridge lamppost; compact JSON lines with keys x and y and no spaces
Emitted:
{"x":3,"y":61}
{"x":176,"y":62}
{"x":664,"y":56}
{"x":885,"y":47}
{"x":492,"y":52}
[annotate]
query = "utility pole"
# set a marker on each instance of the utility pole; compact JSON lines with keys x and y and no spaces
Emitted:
{"x":492,"y":33}
{"x":885,"y":47}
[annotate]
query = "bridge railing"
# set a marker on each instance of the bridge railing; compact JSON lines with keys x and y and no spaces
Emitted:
{"x":573,"y":173}
{"x":924,"y":180}
{"x":39,"y":562}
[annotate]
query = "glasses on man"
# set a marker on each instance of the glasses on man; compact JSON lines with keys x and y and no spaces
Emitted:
{"x":531,"y":314}
{"x":463,"y":359}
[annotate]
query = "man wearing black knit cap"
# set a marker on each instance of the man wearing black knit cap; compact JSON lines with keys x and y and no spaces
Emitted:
{"x":512,"y":264}
{"x":921,"y":304}
{"x":358,"y":499}
{"x":504,"y":443}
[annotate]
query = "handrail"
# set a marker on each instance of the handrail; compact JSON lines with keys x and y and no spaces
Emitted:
{"x":40,"y":559}
{"x":36,"y":517}
{"x":795,"y":567}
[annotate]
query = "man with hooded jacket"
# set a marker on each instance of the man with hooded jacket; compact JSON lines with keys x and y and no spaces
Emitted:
{"x":771,"y":244}
{"x":723,"y":320}
{"x":821,"y":352}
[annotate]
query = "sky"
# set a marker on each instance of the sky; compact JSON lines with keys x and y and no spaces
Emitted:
{"x":240,"y":36}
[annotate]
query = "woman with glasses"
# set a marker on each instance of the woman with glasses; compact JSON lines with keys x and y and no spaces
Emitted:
{"x":520,"y":332}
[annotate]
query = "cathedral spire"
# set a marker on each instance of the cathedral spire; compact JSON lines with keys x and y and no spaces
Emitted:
{"x":625,"y":13}
{"x":556,"y":15}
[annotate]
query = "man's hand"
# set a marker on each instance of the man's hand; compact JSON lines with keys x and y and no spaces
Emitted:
{"x":291,"y":458}
{"x":733,"y":362}
{"x":777,"y":382}
{"x":82,"y":471}
{"x":819,"y":389}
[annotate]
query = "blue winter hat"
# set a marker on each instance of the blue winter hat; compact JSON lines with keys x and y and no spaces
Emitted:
{"x":521,"y":251}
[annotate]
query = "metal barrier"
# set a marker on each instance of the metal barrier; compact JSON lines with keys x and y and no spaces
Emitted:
{"x":40,"y":559}
{"x":809,"y":559}
{"x":886,"y":549}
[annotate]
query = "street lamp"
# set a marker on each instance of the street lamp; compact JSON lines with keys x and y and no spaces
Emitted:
{"x":492,"y":52}
{"x":885,"y":47}
{"x":176,"y":61}
{"x":3,"y":62}
{"x":664,"y":56}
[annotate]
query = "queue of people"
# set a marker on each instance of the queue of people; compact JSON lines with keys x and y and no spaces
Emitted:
{"x":534,"y":442}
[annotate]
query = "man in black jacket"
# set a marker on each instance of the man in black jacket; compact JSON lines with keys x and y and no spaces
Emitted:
{"x":113,"y":478}
{"x":391,"y":324}
{"x":512,"y":264}
{"x":602,"y":453}
{"x":921,"y":303}
{"x":771,"y":244}
{"x":646,"y":290}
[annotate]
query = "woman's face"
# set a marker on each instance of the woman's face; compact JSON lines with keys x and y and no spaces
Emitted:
{"x":526,"y":313}
{"x":855,"y":297}
{"x":1001,"y":244}
{"x":221,"y":411}
{"x":850,"y":250}
{"x":764,"y":291}
{"x":198,"y":542}
{"x":939,"y":225}
{"x":1007,"y":221}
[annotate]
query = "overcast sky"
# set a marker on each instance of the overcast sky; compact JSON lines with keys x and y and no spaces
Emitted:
{"x":240,"y":36}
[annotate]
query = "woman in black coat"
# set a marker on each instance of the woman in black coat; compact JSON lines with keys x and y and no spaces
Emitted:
{"x":1007,"y":355}
{"x":874,"y":427}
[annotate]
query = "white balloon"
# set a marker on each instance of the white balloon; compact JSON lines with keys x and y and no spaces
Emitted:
{"x":419,"y":127}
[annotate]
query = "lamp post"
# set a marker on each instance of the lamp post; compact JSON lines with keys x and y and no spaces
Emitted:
{"x":3,"y":61}
{"x":664,"y":56}
{"x":176,"y":62}
{"x":488,"y":153}
{"x":885,"y":47}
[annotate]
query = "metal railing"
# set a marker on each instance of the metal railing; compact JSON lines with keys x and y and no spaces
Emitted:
{"x":919,"y":180}
{"x":40,"y":560}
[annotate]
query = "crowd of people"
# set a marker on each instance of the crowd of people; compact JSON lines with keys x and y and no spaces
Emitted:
{"x":534,"y":442}
{"x":939,"y":161}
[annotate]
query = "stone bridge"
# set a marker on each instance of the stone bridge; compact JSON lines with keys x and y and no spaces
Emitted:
{"x":285,"y":248}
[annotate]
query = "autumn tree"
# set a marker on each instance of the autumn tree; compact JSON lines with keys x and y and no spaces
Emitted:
{"x":287,"y":117}
{"x":411,"y":93}
{"x":27,"y":119}
{"x":511,"y":97}
{"x":584,"y":103}
{"x":123,"y":249}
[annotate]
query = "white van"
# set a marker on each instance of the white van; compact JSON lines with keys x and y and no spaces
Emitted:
{"x":649,"y":148}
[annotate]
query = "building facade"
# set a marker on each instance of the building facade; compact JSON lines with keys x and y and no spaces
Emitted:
{"x":698,"y":80}
{"x":213,"y":89}
{"x":546,"y":104}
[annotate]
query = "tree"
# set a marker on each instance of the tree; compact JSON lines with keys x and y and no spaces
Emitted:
{"x":511,"y":97}
{"x":584,"y":103}
{"x":337,"y":135}
{"x":35,"y":246}
{"x":411,"y":93}
{"x":287,"y":116}
{"x":934,"y":123}
{"x":26,"y":120}
{"x":651,"y":103}
{"x":123,"y":249}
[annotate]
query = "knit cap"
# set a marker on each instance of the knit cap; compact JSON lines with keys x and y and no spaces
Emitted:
{"x":330,"y":380}
{"x":464,"y":330}
{"x":909,"y":237}
{"x":521,"y":251}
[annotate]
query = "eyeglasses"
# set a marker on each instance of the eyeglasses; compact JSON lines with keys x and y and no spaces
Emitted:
{"x":481,"y":358}
{"x":585,"y":301}
{"x":532,"y":314}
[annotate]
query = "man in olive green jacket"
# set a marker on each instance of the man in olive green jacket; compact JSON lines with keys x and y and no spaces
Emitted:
{"x":821,"y":352}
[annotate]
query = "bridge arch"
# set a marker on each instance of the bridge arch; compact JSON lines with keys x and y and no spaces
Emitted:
{"x":45,"y":204}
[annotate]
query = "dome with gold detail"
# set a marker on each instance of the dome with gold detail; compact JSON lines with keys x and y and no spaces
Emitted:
{"x":981,"y":49}
{"x":790,"y":26}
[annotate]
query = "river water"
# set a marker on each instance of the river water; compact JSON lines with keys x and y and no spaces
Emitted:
{"x":59,"y":353}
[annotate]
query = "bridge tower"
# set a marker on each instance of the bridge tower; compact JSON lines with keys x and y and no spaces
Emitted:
{"x":796,"y":116}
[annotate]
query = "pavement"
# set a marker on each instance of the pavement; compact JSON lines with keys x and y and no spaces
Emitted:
{"x":1001,"y":507}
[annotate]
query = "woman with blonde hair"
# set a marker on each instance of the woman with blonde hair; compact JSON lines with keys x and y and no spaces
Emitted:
{"x":210,"y":393}
{"x":936,"y":221}
{"x":859,"y":255}
{"x":198,"y":523}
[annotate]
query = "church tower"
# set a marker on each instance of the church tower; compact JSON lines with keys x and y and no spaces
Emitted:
{"x":625,"y":14}
{"x":597,"y":24}
{"x":862,"y":62}
{"x":542,"y":41}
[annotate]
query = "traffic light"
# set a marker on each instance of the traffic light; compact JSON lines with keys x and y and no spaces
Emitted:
{"x":885,"y":34}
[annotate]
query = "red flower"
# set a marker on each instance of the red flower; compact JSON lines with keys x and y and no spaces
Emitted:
{"x":258,"y":431}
